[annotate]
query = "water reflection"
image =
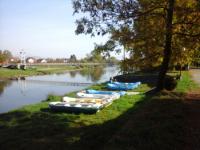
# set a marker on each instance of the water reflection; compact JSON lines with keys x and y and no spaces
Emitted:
{"x":73,"y":74}
{"x":93,"y":74}
{"x":22,"y":86}
{"x":3,"y":85}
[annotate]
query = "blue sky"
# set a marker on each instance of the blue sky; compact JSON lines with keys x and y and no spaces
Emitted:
{"x":43,"y":28}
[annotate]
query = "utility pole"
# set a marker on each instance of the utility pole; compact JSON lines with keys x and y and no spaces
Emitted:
{"x":22,"y":59}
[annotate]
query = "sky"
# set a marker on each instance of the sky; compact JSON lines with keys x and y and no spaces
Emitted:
{"x":42,"y":28}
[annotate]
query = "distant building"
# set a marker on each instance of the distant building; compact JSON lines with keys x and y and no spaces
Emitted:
{"x":14,"y":60}
{"x":41,"y":61}
{"x":30,"y":60}
{"x":61,"y":60}
{"x":50,"y":60}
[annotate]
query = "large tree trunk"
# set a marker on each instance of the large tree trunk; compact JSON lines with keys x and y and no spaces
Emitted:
{"x":167,"y":47}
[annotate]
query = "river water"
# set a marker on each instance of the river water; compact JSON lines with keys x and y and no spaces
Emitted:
{"x":15,"y":94}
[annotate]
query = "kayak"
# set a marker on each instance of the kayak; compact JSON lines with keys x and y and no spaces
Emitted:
{"x":112,"y":86}
{"x":121,"y":93}
{"x":122,"y":86}
{"x":103,"y":101}
{"x":125,"y":83}
{"x":133,"y":93}
{"x":80,"y":105}
{"x":75,"y":107}
{"x":84,"y":94}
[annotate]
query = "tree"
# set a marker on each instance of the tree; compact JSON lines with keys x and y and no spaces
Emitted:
{"x":196,"y":58}
{"x":94,"y":57}
{"x":167,"y":45}
{"x":112,"y":60}
{"x":2,"y":57}
{"x":153,"y":30}
{"x":72,"y":58}
{"x":5,"y":55}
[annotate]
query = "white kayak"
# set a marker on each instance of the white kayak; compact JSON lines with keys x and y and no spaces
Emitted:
{"x":74,"y":107}
{"x":83,"y":94}
{"x":102,"y":101}
{"x":132,"y":93}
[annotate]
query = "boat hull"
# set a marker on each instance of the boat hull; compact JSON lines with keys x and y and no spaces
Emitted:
{"x":83,"y":94}
{"x":74,"y":108}
{"x":121,"y":93}
{"x":122,"y":86}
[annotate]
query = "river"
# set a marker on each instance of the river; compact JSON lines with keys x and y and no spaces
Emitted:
{"x":15,"y":94}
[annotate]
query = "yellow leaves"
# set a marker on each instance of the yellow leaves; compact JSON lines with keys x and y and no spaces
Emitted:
{"x":186,"y":3}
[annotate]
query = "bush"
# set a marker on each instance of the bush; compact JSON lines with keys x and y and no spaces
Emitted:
{"x":51,"y":98}
{"x":170,"y":83}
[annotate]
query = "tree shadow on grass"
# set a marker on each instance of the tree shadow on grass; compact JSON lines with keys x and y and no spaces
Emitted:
{"x":150,"y":124}
{"x":47,"y":110}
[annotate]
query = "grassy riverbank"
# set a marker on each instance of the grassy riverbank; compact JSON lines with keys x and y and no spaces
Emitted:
{"x":38,"y":70}
{"x":131,"y":122}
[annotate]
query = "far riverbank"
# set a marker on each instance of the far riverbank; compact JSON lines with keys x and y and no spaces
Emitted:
{"x":37,"y":70}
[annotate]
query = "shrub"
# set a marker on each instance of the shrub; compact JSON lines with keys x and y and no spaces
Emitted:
{"x":170,"y":83}
{"x":52,"y":98}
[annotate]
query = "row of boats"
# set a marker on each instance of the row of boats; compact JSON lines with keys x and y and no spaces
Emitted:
{"x":89,"y":101}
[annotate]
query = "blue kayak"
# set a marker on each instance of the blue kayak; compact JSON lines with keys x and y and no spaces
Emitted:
{"x":122,"y":86}
{"x":105,"y":92}
{"x":113,"y":86}
{"x":123,"y":83}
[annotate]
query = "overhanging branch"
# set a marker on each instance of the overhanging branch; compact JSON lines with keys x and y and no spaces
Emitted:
{"x":189,"y":35}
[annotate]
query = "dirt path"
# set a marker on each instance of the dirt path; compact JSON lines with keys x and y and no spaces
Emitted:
{"x":195,"y":75}
{"x":192,"y":119}
{"x":192,"y":102}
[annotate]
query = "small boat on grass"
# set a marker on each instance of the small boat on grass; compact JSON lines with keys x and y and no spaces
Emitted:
{"x":88,"y":108}
{"x":126,"y":83}
{"x":84,"y":94}
{"x":133,"y":93}
{"x":121,"y":93}
{"x":113,"y":86}
{"x":83,"y":105}
{"x":122,"y":86}
{"x":102,"y":101}
{"x":91,"y":101}
{"x":80,"y":105}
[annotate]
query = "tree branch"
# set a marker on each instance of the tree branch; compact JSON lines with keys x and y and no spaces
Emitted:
{"x":189,"y":35}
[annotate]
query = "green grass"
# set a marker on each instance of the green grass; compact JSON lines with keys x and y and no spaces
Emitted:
{"x":55,"y":69}
{"x":38,"y":70}
{"x":157,"y":123}
{"x":186,"y":83}
{"x":8,"y":73}
{"x":138,"y":122}
{"x":160,"y":122}
{"x":36,"y":127}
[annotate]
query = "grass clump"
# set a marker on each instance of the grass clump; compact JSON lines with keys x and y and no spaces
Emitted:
{"x":51,"y":98}
{"x":186,"y":83}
